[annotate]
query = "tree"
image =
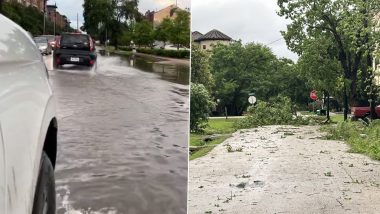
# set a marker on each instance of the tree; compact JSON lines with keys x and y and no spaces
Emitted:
{"x":239,"y":70}
{"x":143,"y":34}
{"x":322,"y":69}
{"x":200,"y":107}
{"x":180,"y":31}
{"x":162,"y":32}
{"x":348,"y":23}
{"x":109,"y":17}
{"x":200,"y":69}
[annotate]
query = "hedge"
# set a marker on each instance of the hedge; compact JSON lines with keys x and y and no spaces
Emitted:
{"x":180,"y":54}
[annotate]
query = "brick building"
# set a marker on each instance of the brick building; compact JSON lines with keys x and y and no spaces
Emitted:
{"x":167,"y":12}
{"x":54,"y":16}
{"x":35,"y":3}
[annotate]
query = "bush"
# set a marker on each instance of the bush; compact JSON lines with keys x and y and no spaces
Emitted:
{"x":125,"y":48}
{"x":276,"y":112}
{"x":180,"y":54}
{"x":200,"y":107}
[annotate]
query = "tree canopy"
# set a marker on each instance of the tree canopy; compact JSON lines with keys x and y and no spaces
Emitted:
{"x":348,"y":24}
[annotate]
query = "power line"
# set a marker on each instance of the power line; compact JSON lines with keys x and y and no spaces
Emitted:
{"x":274,"y":41}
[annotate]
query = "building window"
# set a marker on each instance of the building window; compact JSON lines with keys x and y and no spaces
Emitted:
{"x":204,"y":47}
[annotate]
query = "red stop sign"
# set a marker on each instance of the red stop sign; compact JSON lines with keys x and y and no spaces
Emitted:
{"x":313,"y":95}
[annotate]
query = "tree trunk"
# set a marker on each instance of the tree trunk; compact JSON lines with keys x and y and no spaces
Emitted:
{"x":345,"y":101}
{"x":328,"y":106}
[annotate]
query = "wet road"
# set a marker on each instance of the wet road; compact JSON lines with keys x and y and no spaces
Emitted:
{"x":122,"y":136}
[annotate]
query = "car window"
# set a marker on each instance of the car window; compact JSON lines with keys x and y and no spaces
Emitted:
{"x":40,"y":39}
{"x":74,"y":39}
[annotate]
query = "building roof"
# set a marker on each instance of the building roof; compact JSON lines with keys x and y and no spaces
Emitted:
{"x":214,"y":35}
{"x":196,"y":35}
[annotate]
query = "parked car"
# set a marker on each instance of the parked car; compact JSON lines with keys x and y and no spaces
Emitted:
{"x":28,"y":125}
{"x":43,"y":45}
{"x":363,"y":112}
{"x":51,"y":40}
{"x":75,"y":48}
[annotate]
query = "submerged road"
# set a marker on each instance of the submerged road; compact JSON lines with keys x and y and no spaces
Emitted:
{"x":123,"y":128}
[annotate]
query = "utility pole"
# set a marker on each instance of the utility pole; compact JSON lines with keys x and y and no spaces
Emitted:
{"x":77,"y":23}
{"x":44,"y":16}
{"x":55,"y":16}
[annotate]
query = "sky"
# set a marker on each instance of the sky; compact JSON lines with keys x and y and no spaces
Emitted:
{"x":70,"y":8}
{"x":248,"y":20}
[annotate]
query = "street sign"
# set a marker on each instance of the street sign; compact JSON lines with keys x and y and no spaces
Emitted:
{"x":313,"y":95}
{"x":252,"y":99}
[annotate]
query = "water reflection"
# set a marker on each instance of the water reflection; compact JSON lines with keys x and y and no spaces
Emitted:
{"x":170,"y":71}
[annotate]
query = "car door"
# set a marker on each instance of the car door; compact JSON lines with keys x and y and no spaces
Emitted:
{"x":24,"y":94}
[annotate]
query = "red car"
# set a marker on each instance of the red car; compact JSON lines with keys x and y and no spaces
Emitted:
{"x":362,"y":112}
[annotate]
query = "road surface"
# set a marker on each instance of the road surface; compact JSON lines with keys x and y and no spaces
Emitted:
{"x":122,"y":141}
{"x":283,"y":169}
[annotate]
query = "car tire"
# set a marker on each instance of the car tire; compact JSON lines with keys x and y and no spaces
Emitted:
{"x":55,"y":64}
{"x":44,"y":197}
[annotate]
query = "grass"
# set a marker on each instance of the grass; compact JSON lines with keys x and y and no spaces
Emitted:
{"x":111,"y":49}
{"x":222,"y":127}
{"x":337,"y":118}
{"x":361,"y":138}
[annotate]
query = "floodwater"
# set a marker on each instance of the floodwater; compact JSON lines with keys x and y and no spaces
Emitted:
{"x":123,"y":135}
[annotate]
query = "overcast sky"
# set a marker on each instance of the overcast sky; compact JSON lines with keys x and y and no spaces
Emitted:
{"x":248,"y":20}
{"x":70,"y":8}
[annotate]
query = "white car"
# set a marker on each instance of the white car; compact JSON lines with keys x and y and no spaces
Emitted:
{"x":28,"y":125}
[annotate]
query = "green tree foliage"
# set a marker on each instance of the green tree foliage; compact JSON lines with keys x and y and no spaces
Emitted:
{"x":321,"y":68}
{"x":180,"y":31}
{"x":277,"y":111}
{"x":289,"y":81}
{"x":200,"y":69}
{"x":349,"y":24}
{"x":110,"y":18}
{"x":200,"y":107}
{"x":30,"y":18}
{"x":143,"y":35}
{"x":98,"y":16}
{"x":162,"y":32}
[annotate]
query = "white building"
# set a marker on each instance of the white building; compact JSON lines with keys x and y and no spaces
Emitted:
{"x":207,"y":41}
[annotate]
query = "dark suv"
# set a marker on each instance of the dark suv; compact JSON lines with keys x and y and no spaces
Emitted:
{"x":74,"y":48}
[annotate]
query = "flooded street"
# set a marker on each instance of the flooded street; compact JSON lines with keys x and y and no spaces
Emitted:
{"x":123,"y":128}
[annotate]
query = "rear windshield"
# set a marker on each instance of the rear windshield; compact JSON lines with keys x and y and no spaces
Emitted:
{"x":40,"y":39}
{"x":74,"y":39}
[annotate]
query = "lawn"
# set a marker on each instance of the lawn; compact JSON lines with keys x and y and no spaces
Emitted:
{"x":222,"y":127}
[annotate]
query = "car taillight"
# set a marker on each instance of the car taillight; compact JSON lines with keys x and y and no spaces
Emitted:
{"x":91,"y":45}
